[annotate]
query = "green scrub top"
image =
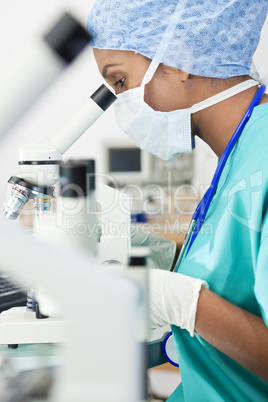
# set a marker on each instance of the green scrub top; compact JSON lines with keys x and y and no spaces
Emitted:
{"x":231,"y":254}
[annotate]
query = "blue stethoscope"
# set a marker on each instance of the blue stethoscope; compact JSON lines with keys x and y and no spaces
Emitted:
{"x":202,"y":208}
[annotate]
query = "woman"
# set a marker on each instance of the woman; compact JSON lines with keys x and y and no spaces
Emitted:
{"x":217,"y":298}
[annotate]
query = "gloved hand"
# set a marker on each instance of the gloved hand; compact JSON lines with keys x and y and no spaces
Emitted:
{"x":173,"y":299}
{"x":162,"y":251}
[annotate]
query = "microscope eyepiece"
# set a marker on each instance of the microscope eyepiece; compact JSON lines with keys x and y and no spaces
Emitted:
{"x":103,"y":97}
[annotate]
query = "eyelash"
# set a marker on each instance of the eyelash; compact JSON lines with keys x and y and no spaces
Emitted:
{"x":120,"y":82}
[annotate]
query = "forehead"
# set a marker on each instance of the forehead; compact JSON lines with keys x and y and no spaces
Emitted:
{"x":124,"y":58}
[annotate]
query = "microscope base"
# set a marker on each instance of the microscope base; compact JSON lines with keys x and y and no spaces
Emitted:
{"x":19,"y":326}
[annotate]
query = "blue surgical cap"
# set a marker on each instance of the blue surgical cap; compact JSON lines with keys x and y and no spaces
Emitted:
{"x":211,"y":38}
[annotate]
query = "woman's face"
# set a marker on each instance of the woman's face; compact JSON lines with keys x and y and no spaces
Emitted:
{"x":124,"y":70}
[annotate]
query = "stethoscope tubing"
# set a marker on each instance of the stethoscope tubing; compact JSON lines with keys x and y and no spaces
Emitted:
{"x":203,"y":206}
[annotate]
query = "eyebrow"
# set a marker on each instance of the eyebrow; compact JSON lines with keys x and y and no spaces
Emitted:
{"x":105,"y":69}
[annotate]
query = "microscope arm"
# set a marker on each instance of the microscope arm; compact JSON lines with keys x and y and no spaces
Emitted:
{"x":39,"y":159}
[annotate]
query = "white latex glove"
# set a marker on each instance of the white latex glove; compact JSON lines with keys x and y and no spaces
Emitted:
{"x":173,"y":299}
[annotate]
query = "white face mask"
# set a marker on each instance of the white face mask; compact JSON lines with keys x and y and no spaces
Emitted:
{"x":164,"y":134}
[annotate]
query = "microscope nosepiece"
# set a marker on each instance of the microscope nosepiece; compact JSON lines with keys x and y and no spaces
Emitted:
{"x":22,"y":192}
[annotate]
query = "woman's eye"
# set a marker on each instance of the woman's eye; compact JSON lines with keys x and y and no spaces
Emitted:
{"x":120,"y":82}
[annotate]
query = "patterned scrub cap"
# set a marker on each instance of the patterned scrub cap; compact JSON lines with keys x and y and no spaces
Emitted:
{"x":211,"y":38}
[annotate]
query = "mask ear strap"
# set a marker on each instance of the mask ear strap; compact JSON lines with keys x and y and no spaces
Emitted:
{"x":148,"y":75}
{"x":150,"y":72}
{"x":223,"y":95}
